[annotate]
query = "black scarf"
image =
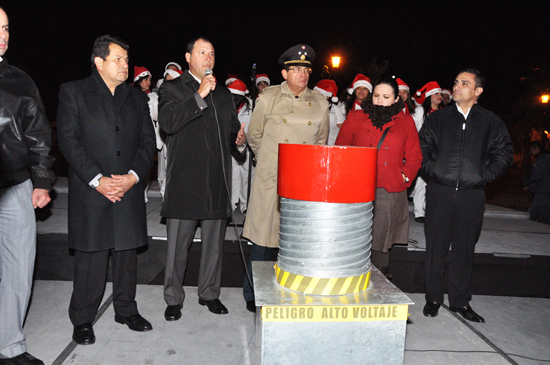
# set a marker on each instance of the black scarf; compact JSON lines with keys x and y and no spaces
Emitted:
{"x":381,"y":115}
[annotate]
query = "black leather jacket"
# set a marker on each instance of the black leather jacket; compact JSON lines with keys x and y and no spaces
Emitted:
{"x":25,"y":134}
{"x":465,"y":153}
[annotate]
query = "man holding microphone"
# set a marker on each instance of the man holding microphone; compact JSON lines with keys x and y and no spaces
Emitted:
{"x":202,"y":127}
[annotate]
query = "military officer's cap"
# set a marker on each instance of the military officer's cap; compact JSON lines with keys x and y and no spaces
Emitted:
{"x":299,"y":55}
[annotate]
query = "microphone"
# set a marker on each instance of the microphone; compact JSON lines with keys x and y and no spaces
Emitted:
{"x":207,"y":72}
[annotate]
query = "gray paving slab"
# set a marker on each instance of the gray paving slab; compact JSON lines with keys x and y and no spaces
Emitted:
{"x":155,"y":226}
{"x":47,"y":328}
{"x":505,"y":231}
{"x":55,"y":223}
{"x":499,"y":235}
{"x":519,"y":326}
{"x":495,"y":211}
{"x":199,"y":337}
{"x":515,"y":326}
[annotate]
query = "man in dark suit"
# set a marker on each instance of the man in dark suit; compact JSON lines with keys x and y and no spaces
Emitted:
{"x":106,"y":135}
{"x":201,"y":126}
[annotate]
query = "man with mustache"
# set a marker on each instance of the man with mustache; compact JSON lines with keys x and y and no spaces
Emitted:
{"x":286,"y":113}
{"x":106,"y":134}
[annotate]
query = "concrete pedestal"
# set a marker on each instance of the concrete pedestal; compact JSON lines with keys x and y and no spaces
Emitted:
{"x":364,"y":328}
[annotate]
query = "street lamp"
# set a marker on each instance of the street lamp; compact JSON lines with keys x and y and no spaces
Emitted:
{"x":335,"y":62}
{"x":545,"y":98}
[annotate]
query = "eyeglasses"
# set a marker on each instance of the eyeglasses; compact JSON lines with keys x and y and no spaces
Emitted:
{"x":299,"y":70}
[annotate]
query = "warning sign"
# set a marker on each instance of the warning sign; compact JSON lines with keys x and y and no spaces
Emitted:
{"x":348,"y":313}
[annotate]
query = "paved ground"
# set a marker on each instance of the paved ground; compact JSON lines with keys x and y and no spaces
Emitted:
{"x":517,"y":330}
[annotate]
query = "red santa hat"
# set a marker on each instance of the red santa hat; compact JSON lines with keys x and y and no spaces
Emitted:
{"x":429,"y":89}
{"x":401,"y":85}
{"x":328,"y":88}
{"x":361,"y":81}
{"x":177,"y":65}
{"x":238,"y":87}
{"x":262,"y":77}
{"x":230,"y":79}
{"x":140,"y":71}
{"x":448,"y":92}
{"x":174,"y":73}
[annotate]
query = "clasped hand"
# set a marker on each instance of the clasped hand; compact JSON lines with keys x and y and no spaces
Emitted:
{"x":114,"y":187}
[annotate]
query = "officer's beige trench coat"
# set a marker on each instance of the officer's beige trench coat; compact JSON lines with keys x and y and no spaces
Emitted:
{"x":279,"y":117}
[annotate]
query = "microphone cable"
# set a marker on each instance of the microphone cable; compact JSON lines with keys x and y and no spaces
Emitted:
{"x":235,"y":228}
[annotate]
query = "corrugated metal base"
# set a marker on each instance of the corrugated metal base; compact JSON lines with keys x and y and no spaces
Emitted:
{"x":364,"y":328}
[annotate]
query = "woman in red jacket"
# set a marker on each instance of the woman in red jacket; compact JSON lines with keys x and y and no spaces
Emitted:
{"x":399,"y":159}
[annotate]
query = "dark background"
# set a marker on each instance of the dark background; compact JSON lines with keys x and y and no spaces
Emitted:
{"x":419,"y":41}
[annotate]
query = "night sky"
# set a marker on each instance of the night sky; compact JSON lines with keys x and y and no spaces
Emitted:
{"x":422,"y":41}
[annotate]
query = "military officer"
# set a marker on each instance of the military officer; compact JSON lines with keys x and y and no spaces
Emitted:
{"x":286,"y":113}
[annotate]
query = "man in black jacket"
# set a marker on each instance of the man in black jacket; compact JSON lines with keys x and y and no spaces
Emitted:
{"x":106,"y":135}
{"x":463,"y":147}
{"x":25,"y":180}
{"x":200,"y":120}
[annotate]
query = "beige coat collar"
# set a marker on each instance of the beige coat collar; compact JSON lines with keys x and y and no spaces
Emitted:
{"x":307,"y":95}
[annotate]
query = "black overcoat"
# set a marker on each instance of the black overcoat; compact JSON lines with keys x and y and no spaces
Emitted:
{"x":101,"y":133}
{"x":198,"y":140}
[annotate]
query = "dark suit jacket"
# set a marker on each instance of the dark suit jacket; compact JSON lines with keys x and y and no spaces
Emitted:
{"x":101,"y":133}
{"x":198,"y":141}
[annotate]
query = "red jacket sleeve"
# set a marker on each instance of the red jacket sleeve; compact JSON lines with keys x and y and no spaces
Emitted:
{"x":345,"y":136}
{"x":413,"y":154}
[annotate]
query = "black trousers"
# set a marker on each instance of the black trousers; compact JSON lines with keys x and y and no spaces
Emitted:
{"x":90,"y":276}
{"x":452,"y":216}
{"x":258,"y":253}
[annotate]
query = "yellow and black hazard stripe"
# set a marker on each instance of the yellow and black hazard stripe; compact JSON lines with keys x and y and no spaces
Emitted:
{"x":322,"y":286}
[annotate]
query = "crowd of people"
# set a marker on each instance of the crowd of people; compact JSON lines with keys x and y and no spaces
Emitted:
{"x":426,"y":100}
{"x":217,"y":150}
{"x":385,"y":116}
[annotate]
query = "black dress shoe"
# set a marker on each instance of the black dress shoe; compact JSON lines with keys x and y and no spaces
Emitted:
{"x":214,"y":306}
{"x":135,"y":322}
{"x":431,"y":309}
{"x":83,"y":334}
{"x":251,"y":306}
{"x":24,"y":359}
{"x":468,"y":313}
{"x":173,"y":312}
{"x":419,"y":219}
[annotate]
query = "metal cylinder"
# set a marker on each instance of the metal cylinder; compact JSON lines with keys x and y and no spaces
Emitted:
{"x":326,"y":218}
{"x":325,"y":240}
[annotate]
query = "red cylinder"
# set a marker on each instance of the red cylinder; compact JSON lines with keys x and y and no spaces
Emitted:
{"x":331,"y":174}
